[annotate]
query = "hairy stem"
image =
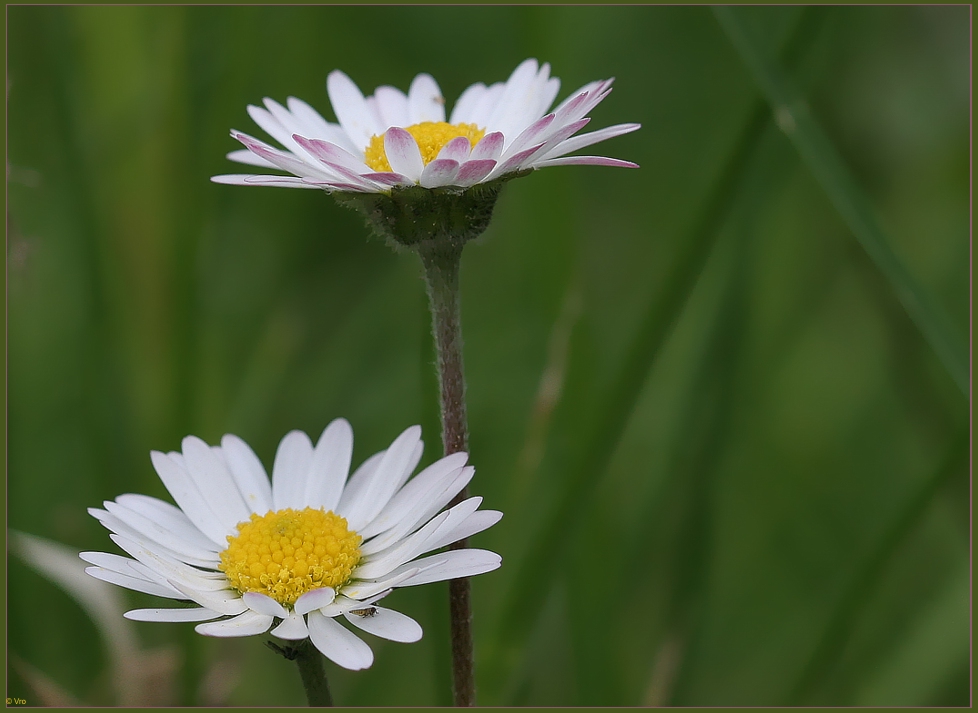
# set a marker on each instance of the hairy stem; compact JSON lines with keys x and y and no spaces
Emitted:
{"x":441,"y":270}
{"x":313,"y":674}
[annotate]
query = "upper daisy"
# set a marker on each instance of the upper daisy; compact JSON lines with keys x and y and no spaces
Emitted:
{"x":394,"y":139}
{"x":303,"y":549}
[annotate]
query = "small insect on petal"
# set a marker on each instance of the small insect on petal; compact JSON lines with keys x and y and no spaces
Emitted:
{"x":365,"y":613}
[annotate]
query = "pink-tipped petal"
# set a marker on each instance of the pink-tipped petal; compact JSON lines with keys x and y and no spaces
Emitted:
{"x":586,"y":161}
{"x":515,"y":162}
{"x":318,"y":127}
{"x":474,"y":171}
{"x":247,"y":157}
{"x":579,"y":142}
{"x":491,"y":146}
{"x":458,"y":149}
{"x":244,"y":179}
{"x":440,"y":172}
{"x":389,"y":179}
{"x":403,"y":153}
{"x":330,"y":153}
{"x":533,"y":134}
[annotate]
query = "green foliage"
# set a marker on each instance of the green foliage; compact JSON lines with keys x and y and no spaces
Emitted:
{"x":717,"y":398}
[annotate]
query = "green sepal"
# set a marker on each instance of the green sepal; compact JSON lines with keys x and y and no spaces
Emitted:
{"x":424,"y":218}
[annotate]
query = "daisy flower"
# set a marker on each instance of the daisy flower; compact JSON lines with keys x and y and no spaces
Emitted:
{"x":295,"y":554}
{"x":391,"y":139}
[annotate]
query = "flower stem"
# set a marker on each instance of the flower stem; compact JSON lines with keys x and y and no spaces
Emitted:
{"x":441,"y":263}
{"x":313,"y":674}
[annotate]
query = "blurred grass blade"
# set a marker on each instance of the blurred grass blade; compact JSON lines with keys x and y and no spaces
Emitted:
{"x":102,"y":602}
{"x":935,"y":647}
{"x":836,"y":633}
{"x":546,"y":551}
{"x":828,"y":168}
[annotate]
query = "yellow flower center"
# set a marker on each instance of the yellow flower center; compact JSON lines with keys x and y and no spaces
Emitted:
{"x":287,"y":553}
{"x":431,"y":137}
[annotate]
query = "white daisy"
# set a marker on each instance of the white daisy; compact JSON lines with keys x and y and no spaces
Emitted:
{"x":296,"y":553}
{"x":391,"y":139}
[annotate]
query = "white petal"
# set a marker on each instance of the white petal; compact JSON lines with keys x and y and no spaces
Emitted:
{"x":248,"y":474}
{"x":169,"y":516}
{"x":486,"y":105}
{"x":118,"y":527}
{"x":473,"y":524}
{"x":366,"y":589}
{"x":457,"y":563}
{"x":136,"y":584}
{"x":380,"y":564}
{"x":390,"y":473}
{"x":330,"y":465}
{"x":547,"y":94}
{"x":314,"y":599}
{"x":385,"y":623}
{"x":185,"y":492}
{"x":293,"y":628}
{"x":173,"y":615}
{"x":359,"y":480}
{"x":340,"y":646}
{"x":462,"y":112}
{"x":290,"y":470}
{"x":156,"y":532}
{"x":176,"y":573}
{"x":247,"y":624}
{"x":516,"y":102}
{"x":214,"y":481}
{"x":403,"y":153}
{"x":351,"y":109}
{"x":392,"y":104}
{"x":435,"y":476}
{"x":318,"y":127}
{"x":131,"y":569}
{"x":264,"y":604}
{"x":272,"y":126}
{"x":422,"y":511}
{"x":425,"y":102}
{"x":343,"y":604}
{"x":456,"y":519}
{"x":227,"y":601}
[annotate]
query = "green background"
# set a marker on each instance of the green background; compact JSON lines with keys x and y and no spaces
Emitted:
{"x":733,"y":470}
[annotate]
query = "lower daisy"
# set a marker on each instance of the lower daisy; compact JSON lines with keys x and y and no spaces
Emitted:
{"x":294,"y":554}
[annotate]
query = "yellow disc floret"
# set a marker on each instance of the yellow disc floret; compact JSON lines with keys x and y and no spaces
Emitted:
{"x":431,"y":137}
{"x":287,"y":553}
